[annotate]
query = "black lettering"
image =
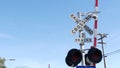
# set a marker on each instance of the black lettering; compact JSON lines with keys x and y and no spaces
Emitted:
{"x":77,"y":20}
{"x":87,"y":18}
{"x":75,"y":29}
{"x":72,"y":15}
{"x":83,"y":22}
{"x":78,"y":39}
{"x":88,"y":30}
{"x":91,"y":32}
{"x":82,"y":40}
{"x":88,"y":40}
{"x":78,"y":26}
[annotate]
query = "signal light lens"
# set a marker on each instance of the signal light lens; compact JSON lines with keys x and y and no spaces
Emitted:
{"x":73,"y":57}
{"x":94,"y":56}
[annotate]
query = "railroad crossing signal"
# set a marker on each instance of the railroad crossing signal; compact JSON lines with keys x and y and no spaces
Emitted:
{"x":94,"y":55}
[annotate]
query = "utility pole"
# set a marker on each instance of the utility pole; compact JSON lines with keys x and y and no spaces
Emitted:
{"x":48,"y":65}
{"x":102,"y":36}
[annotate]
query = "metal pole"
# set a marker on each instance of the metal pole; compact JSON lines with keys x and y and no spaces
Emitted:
{"x":48,"y":65}
{"x":82,"y":48}
{"x":103,"y":54}
{"x":101,"y":38}
{"x":95,"y":23}
{"x":82,"y":42}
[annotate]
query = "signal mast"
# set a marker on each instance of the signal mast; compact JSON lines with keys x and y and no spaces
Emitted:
{"x":94,"y":55}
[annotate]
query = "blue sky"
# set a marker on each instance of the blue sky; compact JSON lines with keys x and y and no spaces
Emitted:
{"x":37,"y":32}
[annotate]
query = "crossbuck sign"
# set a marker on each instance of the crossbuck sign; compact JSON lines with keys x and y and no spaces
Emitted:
{"x":82,"y":23}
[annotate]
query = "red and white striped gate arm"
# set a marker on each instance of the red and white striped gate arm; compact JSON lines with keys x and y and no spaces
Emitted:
{"x":95,"y":23}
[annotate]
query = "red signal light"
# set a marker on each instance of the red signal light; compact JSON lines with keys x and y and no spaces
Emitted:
{"x":94,"y":56}
{"x":73,"y":57}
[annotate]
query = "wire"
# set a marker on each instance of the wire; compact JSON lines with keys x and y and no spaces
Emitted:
{"x":111,"y":53}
